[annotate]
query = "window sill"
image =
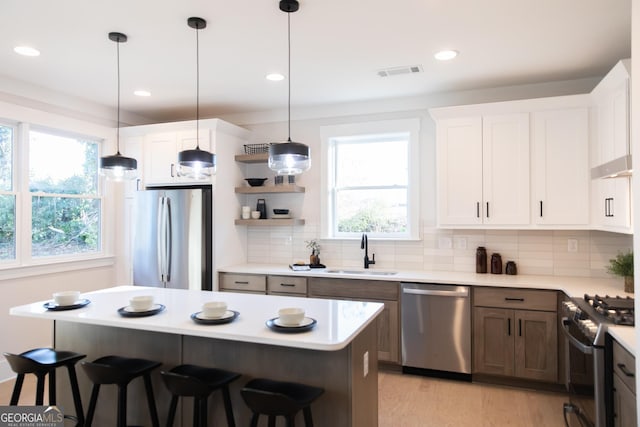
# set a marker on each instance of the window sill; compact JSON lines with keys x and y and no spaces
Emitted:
{"x":17,"y":272}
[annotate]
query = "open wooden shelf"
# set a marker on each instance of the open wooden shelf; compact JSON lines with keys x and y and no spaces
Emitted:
{"x":252,"y":158}
{"x":270,"y":222}
{"x":285,"y":188}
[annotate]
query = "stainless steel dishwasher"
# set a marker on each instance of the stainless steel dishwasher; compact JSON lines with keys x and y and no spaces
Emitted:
{"x":436,"y":330}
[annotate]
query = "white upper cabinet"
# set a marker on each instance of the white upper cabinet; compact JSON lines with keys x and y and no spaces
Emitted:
{"x":610,"y":140}
{"x":161,"y":154}
{"x":517,"y":164}
{"x":560,"y":167}
{"x":483,"y":170}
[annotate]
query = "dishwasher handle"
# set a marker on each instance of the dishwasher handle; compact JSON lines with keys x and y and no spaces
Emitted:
{"x":433,"y":292}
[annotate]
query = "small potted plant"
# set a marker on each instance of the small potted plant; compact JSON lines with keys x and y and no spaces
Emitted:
{"x":314,"y":258}
{"x":622,"y":265}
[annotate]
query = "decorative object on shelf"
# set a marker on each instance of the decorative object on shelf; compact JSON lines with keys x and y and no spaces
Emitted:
{"x":481,"y":260}
{"x":261,"y":206}
{"x":255,"y":182}
{"x":197,"y":163}
{"x":118,"y":167}
{"x":289,"y":158}
{"x":314,"y":258}
{"x":246,"y":212}
{"x":496,"y":264}
{"x":510,"y":268}
{"x":622,"y":265}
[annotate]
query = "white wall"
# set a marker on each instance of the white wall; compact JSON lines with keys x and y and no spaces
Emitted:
{"x":21,"y":284}
{"x":535,"y":252}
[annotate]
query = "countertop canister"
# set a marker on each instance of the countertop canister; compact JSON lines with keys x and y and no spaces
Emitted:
{"x":481,"y":260}
{"x":496,"y":264}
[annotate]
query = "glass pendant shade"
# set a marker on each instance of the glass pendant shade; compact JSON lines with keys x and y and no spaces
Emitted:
{"x":289,"y":158}
{"x":196,"y":164}
{"x":118,"y":167}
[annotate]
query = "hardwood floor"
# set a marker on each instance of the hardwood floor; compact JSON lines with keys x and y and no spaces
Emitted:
{"x":414,"y":401}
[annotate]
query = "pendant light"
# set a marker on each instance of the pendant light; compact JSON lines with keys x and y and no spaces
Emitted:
{"x":118,"y":167}
{"x":289,"y":158}
{"x":197,"y":163}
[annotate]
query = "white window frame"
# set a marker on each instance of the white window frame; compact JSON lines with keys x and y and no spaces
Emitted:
{"x":330,"y":134}
{"x":20,"y":177}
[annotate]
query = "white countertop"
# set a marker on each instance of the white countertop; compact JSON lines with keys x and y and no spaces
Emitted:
{"x":338,"y":322}
{"x":572,"y":286}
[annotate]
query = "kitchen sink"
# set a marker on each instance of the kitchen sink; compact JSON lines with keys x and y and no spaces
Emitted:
{"x":364,"y":272}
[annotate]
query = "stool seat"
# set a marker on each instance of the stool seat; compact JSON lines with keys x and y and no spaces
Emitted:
{"x":198,"y":382}
{"x":120,"y":371}
{"x":279,"y":398}
{"x":42,"y":362}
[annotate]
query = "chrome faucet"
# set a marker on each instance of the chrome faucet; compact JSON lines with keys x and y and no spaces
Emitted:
{"x":364,"y":244}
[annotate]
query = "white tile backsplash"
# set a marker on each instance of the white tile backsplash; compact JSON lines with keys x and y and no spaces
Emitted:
{"x":543,"y":252}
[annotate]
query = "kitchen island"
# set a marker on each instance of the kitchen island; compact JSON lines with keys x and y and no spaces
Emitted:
{"x":338,"y":354}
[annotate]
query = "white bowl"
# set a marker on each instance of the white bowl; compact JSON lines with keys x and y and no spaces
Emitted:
{"x":141,"y":302}
{"x":291,"y":316}
{"x":214,"y":309}
{"x":66,"y":297}
{"x":255,"y":214}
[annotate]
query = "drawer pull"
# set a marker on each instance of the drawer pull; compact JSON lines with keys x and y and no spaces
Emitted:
{"x":625,"y":371}
{"x":289,"y":285}
{"x":241,"y":283}
{"x":514,"y":299}
{"x":509,"y":327}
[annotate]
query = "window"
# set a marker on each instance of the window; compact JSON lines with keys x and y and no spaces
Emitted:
{"x":7,"y":195}
{"x":54,"y":198}
{"x":370,"y":180}
{"x":65,"y":207}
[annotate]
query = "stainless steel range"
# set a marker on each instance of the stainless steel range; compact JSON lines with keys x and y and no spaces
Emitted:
{"x":584,"y":323}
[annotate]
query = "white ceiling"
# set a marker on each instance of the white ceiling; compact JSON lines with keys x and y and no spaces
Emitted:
{"x":337,"y":47}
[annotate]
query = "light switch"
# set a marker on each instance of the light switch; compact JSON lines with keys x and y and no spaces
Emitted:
{"x":572,"y":245}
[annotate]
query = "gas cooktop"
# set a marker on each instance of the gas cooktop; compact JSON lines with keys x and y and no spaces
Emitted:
{"x":618,"y":310}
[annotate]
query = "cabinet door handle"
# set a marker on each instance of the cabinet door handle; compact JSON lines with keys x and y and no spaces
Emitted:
{"x":509,"y":327}
{"x":172,"y":168}
{"x":478,"y":209}
{"x":241,"y":283}
{"x":611,"y":213}
{"x":625,"y":371}
{"x":519,"y":327}
{"x":487,"y":209}
{"x":289,"y":285}
{"x":540,"y":208}
{"x":514,"y":299}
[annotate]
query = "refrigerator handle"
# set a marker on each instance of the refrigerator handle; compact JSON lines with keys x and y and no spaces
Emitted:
{"x":160,"y":238}
{"x":169,"y":240}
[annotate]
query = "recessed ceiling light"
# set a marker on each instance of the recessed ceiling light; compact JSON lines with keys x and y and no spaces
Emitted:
{"x":445,"y":55}
{"x":142,"y":93}
{"x":26,"y":51}
{"x":275,"y":77}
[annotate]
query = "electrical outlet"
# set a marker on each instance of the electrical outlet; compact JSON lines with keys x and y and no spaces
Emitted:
{"x":365,"y":364}
{"x":572,"y":245}
{"x":460,"y":242}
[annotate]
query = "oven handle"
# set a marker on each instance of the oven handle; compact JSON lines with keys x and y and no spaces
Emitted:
{"x":586,"y":349}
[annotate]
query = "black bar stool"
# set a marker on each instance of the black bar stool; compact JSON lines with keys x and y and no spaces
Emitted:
{"x":120,"y":371}
{"x":43,"y":361}
{"x":279,"y":398}
{"x":198,"y":382}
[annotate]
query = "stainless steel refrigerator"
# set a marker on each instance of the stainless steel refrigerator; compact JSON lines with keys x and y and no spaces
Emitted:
{"x":173,"y":238}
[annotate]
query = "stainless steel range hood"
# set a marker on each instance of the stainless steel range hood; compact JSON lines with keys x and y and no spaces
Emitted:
{"x":613,"y":169}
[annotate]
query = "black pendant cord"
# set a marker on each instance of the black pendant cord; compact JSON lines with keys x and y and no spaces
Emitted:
{"x":118,"y":113}
{"x":289,"y":72}
{"x":197,"y":89}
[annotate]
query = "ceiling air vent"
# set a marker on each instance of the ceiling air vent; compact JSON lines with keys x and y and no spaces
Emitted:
{"x":396,"y":71}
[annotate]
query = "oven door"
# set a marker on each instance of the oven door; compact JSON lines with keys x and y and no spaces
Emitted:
{"x":582,"y":358}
